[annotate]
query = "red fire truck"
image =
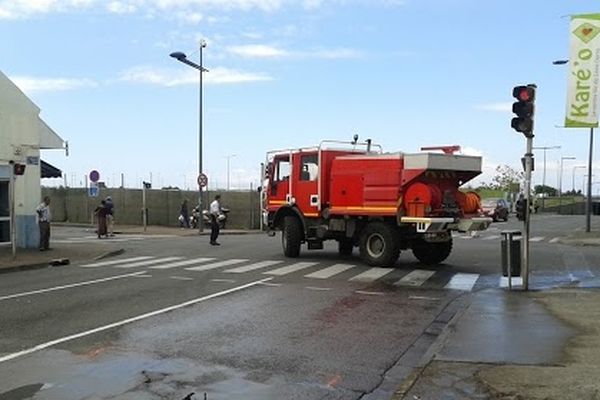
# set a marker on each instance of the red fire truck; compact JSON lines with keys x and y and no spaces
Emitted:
{"x":380,"y":202}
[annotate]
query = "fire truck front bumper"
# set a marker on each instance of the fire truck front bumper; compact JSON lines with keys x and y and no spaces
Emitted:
{"x":433,"y":224}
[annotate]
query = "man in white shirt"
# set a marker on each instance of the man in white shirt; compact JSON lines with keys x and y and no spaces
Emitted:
{"x":44,"y":218}
{"x":215,"y":211}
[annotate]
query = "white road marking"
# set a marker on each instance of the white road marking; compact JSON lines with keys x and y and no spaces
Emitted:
{"x":148,"y":262}
{"x":372,"y":274}
{"x":143,"y":276}
{"x":51,"y":343}
{"x":181,"y":278}
{"x":71,"y":285}
{"x":317,"y":288}
{"x":182,"y":263}
{"x":290,"y":268}
{"x":415,"y":278}
{"x":329,"y":271}
{"x":462,"y":282}
{"x":252,"y":267}
{"x":113,"y":262}
{"x":369,"y":293}
{"x":223,"y":280}
{"x":491,"y":237}
{"x":555,"y":240}
{"x":537,"y":238}
{"x":423,"y":298}
{"x":217,"y":264}
{"x":515,"y":281}
{"x":270,"y":284}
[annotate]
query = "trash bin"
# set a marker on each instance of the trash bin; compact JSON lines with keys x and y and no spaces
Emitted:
{"x":514,"y":239}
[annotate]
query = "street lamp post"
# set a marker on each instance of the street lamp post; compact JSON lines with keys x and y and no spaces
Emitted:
{"x":560,"y":179}
{"x":544,"y":169}
{"x":179,"y":56}
{"x":573,"y":178}
{"x":228,"y":156}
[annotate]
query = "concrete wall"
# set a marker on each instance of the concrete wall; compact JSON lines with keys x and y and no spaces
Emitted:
{"x":73,"y":205}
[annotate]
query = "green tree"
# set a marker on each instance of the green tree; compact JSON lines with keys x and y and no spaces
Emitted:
{"x":547,"y":190}
{"x":507,"y":178}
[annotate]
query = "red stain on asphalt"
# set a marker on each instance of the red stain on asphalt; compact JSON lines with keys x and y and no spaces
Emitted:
{"x":334,"y":381}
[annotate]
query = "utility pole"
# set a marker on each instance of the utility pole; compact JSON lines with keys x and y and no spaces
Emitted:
{"x":544,"y":169}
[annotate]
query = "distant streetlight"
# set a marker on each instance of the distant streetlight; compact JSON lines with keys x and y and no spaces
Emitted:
{"x":544,"y":173}
{"x":561,"y":174}
{"x":179,"y":56}
{"x":228,"y":156}
{"x":573,"y":179}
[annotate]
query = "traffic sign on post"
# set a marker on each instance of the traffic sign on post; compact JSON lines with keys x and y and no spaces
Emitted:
{"x":94,"y":176}
{"x":93,"y":190}
{"x":202,"y":180}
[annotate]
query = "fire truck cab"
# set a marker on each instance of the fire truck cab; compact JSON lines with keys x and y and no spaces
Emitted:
{"x":359,"y":196}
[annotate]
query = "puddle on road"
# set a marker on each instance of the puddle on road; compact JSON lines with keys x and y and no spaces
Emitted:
{"x":60,"y":375}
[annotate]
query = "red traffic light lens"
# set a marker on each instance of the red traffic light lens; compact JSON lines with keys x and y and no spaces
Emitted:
{"x":524,"y":95}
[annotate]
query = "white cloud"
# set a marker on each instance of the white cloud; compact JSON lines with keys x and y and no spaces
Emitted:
{"x":257,"y":51}
{"x":471,"y":151}
{"x":498,"y":107}
{"x":172,"y":77}
{"x":267,"y":51}
{"x":120,"y":7}
{"x":30,"y":84}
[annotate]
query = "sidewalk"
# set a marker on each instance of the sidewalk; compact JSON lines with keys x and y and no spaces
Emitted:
{"x":519,"y":345}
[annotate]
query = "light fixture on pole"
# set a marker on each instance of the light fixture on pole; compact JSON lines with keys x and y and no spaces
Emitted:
{"x":228,"y":156}
{"x":179,"y":56}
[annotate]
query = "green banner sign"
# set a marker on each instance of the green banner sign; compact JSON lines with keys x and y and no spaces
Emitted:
{"x":584,"y":71}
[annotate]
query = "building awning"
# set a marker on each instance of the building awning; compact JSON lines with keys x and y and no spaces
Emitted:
{"x":49,"y":171}
{"x":48,"y":138}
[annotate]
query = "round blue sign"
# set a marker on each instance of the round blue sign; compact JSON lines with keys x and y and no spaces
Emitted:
{"x":94,"y":176}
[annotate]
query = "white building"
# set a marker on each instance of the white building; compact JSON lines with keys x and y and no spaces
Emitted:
{"x":22,"y":135}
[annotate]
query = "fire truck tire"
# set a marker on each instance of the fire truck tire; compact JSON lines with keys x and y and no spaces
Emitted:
{"x":379,"y":244}
{"x":291,"y":237}
{"x":432,"y":253}
{"x":345,"y":247}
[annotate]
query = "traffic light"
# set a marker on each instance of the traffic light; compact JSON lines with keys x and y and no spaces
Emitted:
{"x":524,"y":108}
{"x":521,"y":206}
{"x":18,"y":169}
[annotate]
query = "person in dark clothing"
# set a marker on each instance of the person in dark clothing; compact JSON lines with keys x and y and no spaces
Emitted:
{"x":184,"y":215}
{"x":101,"y":212}
{"x":110,"y":216}
{"x":215,"y":211}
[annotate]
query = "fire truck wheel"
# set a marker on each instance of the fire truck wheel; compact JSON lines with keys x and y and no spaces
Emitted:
{"x":291,"y":237}
{"x":379,"y":244}
{"x":345,"y":247}
{"x":432,"y":253}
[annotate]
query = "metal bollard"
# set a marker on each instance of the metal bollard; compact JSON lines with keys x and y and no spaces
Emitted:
{"x":511,"y":255}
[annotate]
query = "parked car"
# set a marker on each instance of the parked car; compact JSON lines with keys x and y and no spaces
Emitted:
{"x":497,"y":209}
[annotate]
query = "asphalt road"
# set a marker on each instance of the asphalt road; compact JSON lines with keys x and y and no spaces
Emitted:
{"x":174,"y":315}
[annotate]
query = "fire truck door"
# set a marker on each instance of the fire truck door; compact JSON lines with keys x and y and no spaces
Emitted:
{"x":279,"y":181}
{"x":306,"y":190}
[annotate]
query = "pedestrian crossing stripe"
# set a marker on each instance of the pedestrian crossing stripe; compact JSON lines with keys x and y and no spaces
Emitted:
{"x":372,"y":274}
{"x":290,"y":268}
{"x":462,"y":281}
{"x":415,"y":278}
{"x":537,"y":238}
{"x":182,"y":263}
{"x":252,"y":267}
{"x":329,"y":271}
{"x":217,"y":264}
{"x":148,"y":262}
{"x":113,"y":262}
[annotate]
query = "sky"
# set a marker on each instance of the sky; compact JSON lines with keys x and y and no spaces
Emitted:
{"x":287,"y":74}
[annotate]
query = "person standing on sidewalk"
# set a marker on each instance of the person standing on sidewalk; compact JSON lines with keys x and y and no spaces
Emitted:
{"x":184,"y":215}
{"x":101,"y":213}
{"x":215,"y":211}
{"x":110,"y":216}
{"x":44,"y":218}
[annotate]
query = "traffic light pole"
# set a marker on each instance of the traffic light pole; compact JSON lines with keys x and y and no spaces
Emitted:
{"x":528,"y":169}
